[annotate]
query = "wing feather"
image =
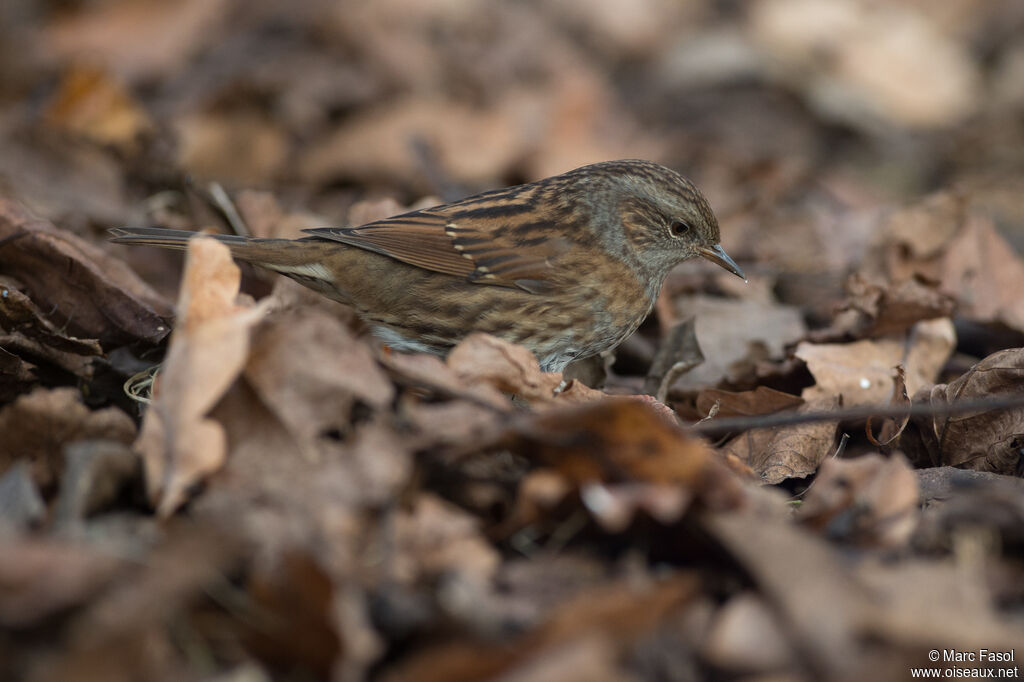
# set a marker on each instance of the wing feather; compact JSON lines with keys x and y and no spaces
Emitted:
{"x":470,"y":243}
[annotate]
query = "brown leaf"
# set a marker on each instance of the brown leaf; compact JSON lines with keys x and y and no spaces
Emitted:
{"x":296,"y":601}
{"x":40,"y":577}
{"x":429,"y":372}
{"x":807,"y":583}
{"x":510,"y":368}
{"x":237,"y":146}
{"x":776,"y":454}
{"x":89,"y":102}
{"x":871,"y":500}
{"x":616,"y":614}
{"x":982,"y":271}
{"x":143,"y":39}
{"x":99,"y":297}
{"x":984,"y":441}
{"x":890,"y":429}
{"x":19,"y":314}
{"x":506,"y":366}
{"x":736,"y":330}
{"x":21,"y":504}
{"x":180,"y":446}
{"x":678,"y":353}
{"x":861,"y":371}
{"x":761,"y":400}
{"x":942,"y":241}
{"x":36,"y":428}
{"x":618,"y":440}
{"x":747,"y":636}
{"x":311,"y":371}
{"x":876,"y":309}
{"x":16,"y":375}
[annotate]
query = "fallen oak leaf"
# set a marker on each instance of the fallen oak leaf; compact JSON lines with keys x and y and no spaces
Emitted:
{"x":180,"y":446}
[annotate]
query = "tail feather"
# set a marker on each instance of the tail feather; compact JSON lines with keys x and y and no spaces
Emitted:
{"x":168,"y":239}
{"x":292,"y":257}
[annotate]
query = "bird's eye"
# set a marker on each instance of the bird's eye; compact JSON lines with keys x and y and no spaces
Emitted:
{"x":679,"y":228}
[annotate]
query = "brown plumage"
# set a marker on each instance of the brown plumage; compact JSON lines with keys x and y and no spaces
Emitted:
{"x":567,"y":266}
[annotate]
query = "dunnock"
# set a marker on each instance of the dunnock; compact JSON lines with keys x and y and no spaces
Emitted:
{"x":567,"y":266}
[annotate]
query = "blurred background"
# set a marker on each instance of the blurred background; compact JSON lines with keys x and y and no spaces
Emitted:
{"x":797,"y":118}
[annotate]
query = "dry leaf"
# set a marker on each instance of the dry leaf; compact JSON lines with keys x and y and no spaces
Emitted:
{"x":775,"y":454}
{"x":761,"y":400}
{"x":100,"y":298}
{"x":736,"y":330}
{"x":871,"y":500}
{"x":510,"y":368}
{"x":875,"y":309}
{"x":91,"y":103}
{"x":180,"y":445}
{"x":861,"y":372}
{"x":311,"y":372}
{"x":143,"y":39}
{"x":42,"y":577}
{"x":617,"y":614}
{"x":621,"y":440}
{"x":982,"y":440}
{"x":890,"y":429}
{"x":982,"y":271}
{"x":38,"y":426}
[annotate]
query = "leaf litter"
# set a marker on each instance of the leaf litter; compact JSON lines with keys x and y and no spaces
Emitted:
{"x":297,"y":502}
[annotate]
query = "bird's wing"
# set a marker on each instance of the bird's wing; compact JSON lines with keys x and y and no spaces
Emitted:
{"x":485,"y":242}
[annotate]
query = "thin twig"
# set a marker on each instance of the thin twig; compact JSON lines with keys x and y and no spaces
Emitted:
{"x":223,"y":202}
{"x":727,"y":424}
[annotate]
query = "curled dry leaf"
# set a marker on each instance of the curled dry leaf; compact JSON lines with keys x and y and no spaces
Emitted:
{"x":876,"y":309}
{"x":180,"y":446}
{"x":861,"y":372}
{"x":891,"y":430}
{"x":101,"y":298}
{"x":871,"y":500}
{"x":984,"y":440}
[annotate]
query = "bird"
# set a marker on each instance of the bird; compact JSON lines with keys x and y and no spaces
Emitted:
{"x":567,"y":266}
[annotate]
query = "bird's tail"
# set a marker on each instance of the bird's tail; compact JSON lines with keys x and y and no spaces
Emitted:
{"x":167,"y":239}
{"x":263,"y":252}
{"x":300,"y":259}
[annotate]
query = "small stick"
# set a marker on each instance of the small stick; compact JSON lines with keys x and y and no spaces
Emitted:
{"x":727,"y":424}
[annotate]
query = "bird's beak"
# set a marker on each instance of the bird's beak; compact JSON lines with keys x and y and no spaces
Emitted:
{"x":717,"y":255}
